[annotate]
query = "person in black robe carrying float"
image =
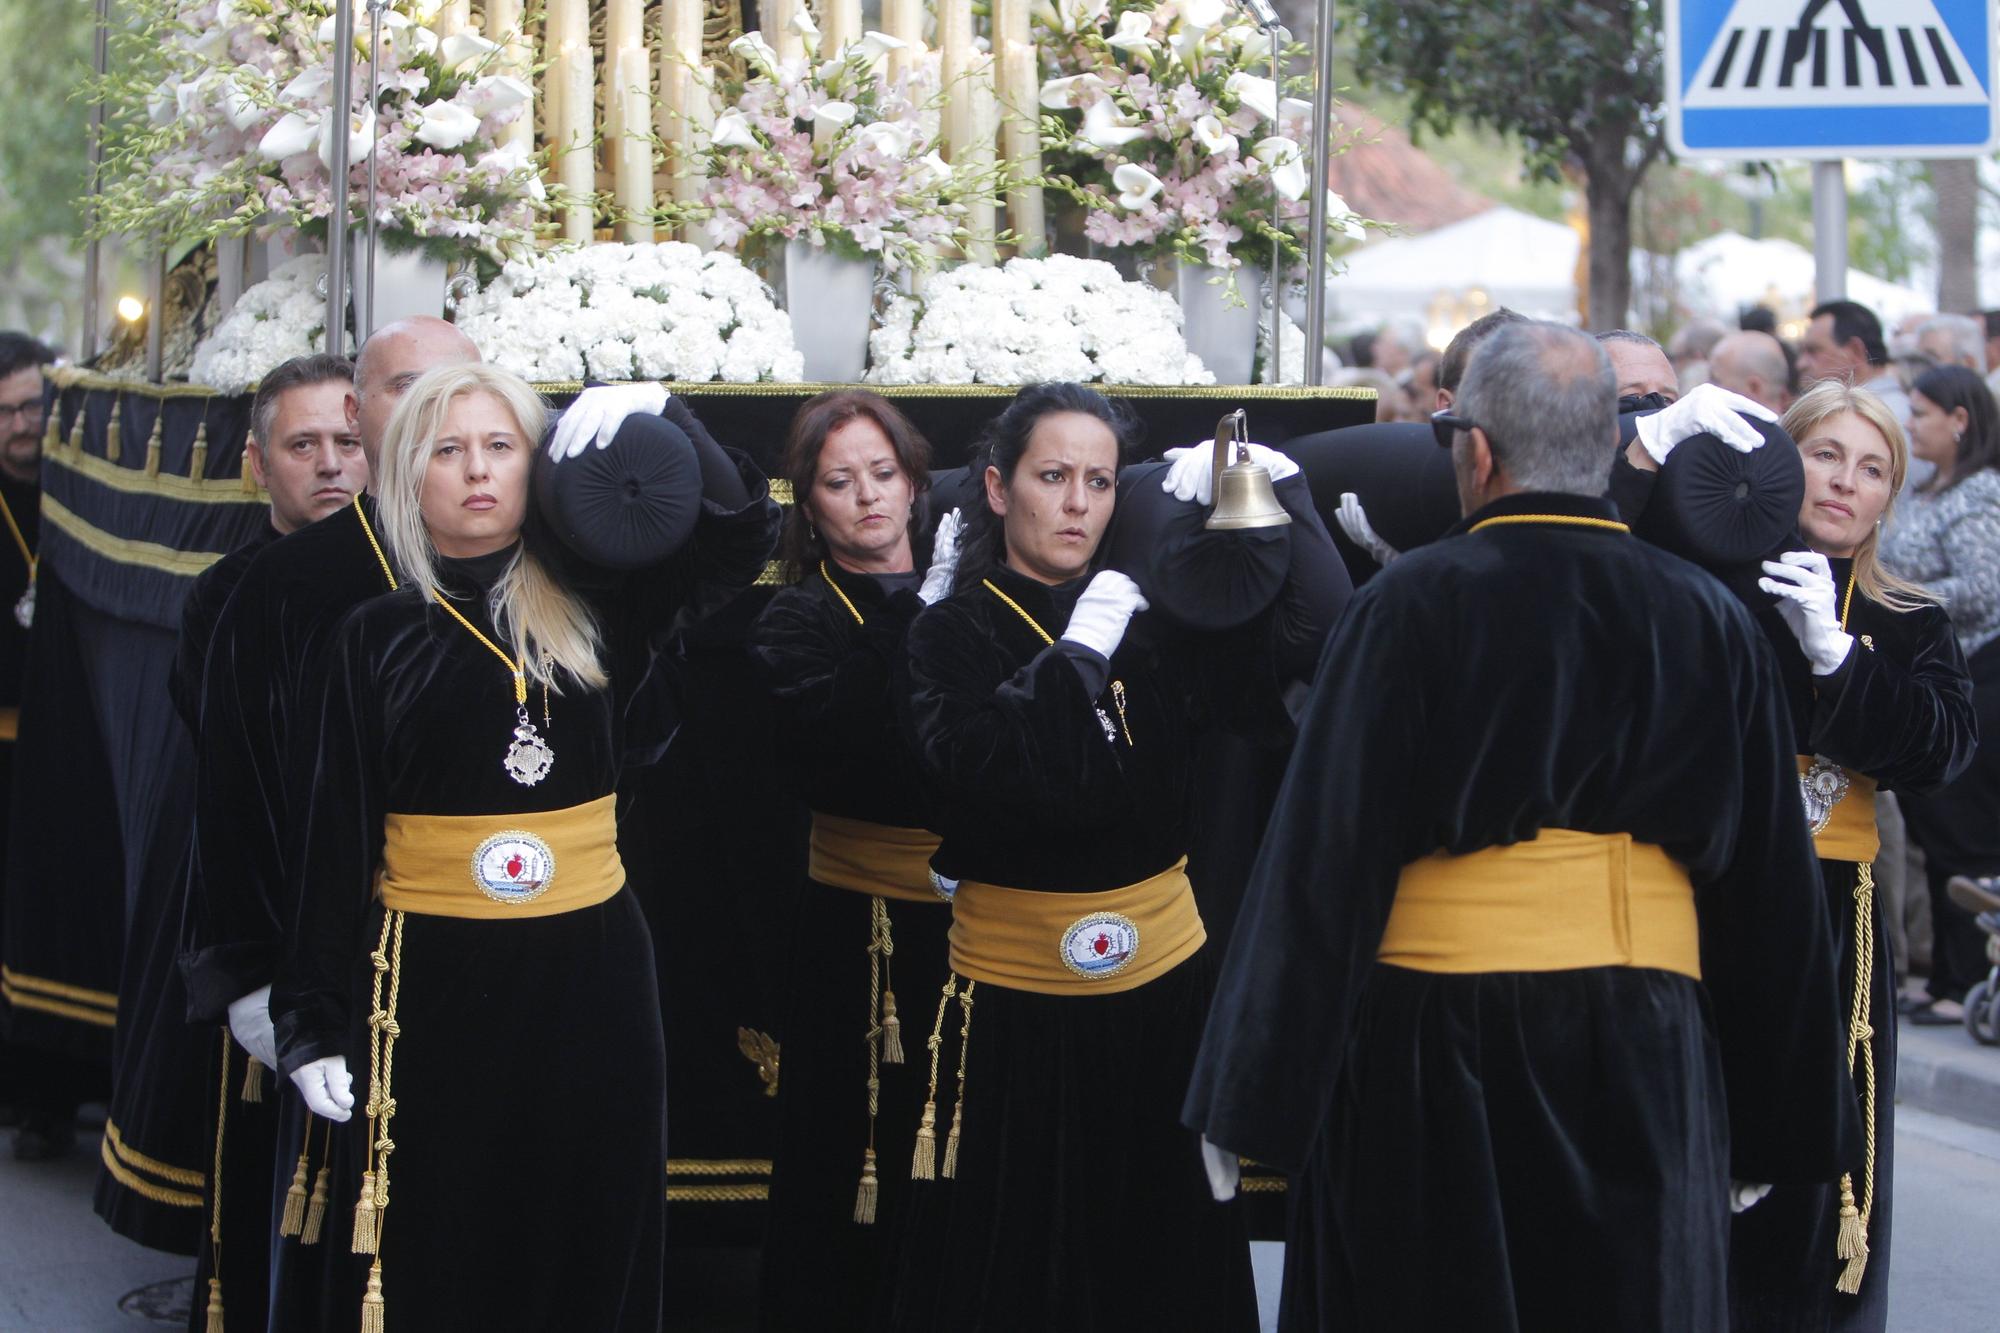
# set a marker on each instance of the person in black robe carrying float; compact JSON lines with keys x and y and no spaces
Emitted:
{"x":1057,"y":1191}
{"x":871,"y":924}
{"x":465,"y":944}
{"x":1533,"y":961}
{"x":1880,"y":700}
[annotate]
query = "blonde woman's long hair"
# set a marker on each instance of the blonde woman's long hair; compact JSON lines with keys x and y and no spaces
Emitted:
{"x":1829,"y":399}
{"x":550,"y":631}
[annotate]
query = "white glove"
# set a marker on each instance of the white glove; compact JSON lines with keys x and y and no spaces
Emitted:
{"x":327,"y":1087}
{"x":1353,"y":521}
{"x":597,"y":414}
{"x":1103,"y":611}
{"x":1802,"y":582}
{"x":1192,"y":476}
{"x":250,"y":1024}
{"x":1708,"y":409}
{"x":1224,"y":1171}
{"x":1743,"y":1195}
{"x":944,"y":560}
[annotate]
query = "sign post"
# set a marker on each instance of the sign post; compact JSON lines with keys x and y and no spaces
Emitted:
{"x":1825,"y":80}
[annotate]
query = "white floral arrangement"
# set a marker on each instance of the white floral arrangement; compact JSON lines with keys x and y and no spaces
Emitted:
{"x":632,"y":312}
{"x":1031,"y":320}
{"x":277,"y":319}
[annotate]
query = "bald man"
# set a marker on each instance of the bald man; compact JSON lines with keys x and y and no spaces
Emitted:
{"x":1754,"y":365}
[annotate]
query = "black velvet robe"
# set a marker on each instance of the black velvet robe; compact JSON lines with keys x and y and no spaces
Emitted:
{"x":1900,"y":710}
{"x":1529,"y":1151}
{"x":837,"y":687}
{"x":1080,"y":1203}
{"x":163,"y":1084}
{"x":528,"y":1178}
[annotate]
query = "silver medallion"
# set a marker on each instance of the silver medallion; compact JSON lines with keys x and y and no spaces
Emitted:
{"x":24,"y":610}
{"x":1821,"y":787}
{"x":1104,"y":720}
{"x":529,"y":757}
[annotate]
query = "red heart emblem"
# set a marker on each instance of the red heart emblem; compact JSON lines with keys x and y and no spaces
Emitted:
{"x":1101,"y":945}
{"x":514,"y":866}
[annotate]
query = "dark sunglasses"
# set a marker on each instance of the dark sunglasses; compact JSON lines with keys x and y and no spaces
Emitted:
{"x":1444,"y":425}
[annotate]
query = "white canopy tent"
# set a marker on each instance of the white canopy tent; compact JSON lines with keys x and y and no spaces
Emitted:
{"x":1729,"y":271}
{"x":1446,"y":278}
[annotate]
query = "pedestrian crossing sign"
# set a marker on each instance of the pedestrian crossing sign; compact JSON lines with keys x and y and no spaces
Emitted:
{"x":1831,"y":78}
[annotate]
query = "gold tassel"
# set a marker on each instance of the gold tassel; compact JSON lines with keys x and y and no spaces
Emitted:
{"x":865,"y":1197}
{"x":924,"y":1165}
{"x":951,"y":1141}
{"x":198,"y":460}
{"x":253,"y":1082}
{"x":364,"y":1216}
{"x":892,"y":1030}
{"x":114,"y":430}
{"x":215,"y":1305}
{"x":294,"y":1219}
{"x":1852,"y":1243}
{"x":249,"y":478}
{"x":371,"y":1302}
{"x":52,"y":436}
{"x":76,"y":428}
{"x":315,"y":1210}
{"x":153,"y":443}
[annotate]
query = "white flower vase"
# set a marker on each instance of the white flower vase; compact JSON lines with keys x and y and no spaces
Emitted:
{"x":1221,"y":332}
{"x":407,"y":282}
{"x":831,"y":300}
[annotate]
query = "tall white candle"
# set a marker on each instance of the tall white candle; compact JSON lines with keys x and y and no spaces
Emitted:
{"x":840,"y":23}
{"x":503,"y":25}
{"x":682,"y":90}
{"x":1020,"y":135}
{"x":579,"y":158}
{"x":778,"y":28}
{"x":634,"y":162}
{"x":981,"y":130}
{"x":452,"y":16}
{"x":903,"y":19}
{"x":622,"y":32}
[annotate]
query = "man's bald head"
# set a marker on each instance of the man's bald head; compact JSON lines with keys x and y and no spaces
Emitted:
{"x":392,"y":359}
{"x":1754,"y":365}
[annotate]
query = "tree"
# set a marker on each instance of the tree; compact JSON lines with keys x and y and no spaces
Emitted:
{"x":1577,"y":83}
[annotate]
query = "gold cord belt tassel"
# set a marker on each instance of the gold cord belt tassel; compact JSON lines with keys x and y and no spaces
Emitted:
{"x":253,"y":1082}
{"x":923,"y":1165}
{"x":214,"y":1313}
{"x":885,"y":1046}
{"x":370,"y":1211}
{"x":1852,"y":1242}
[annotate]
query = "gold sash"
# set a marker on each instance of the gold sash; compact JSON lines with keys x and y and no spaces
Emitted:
{"x":10,"y":724}
{"x":1850,"y":833}
{"x":502,"y":867}
{"x":1560,"y":900}
{"x":871,"y":858}
{"x":1075,"y":943}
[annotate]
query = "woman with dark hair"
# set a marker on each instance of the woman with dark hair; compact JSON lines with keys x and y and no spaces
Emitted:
{"x":1058,"y":729}
{"x":1946,"y":537}
{"x":830,"y":648}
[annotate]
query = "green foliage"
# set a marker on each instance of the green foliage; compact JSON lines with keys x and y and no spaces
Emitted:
{"x":44,"y":128}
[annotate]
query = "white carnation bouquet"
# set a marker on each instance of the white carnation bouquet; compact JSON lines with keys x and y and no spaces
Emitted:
{"x":626,"y":312}
{"x":1032,"y":320}
{"x":277,"y":319}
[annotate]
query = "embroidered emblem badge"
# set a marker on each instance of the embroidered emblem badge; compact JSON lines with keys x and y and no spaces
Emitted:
{"x":1102,"y":944}
{"x":1821,"y":787}
{"x":513,"y":867}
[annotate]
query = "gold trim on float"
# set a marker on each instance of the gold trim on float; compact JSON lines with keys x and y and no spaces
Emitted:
{"x":718,"y":1193}
{"x":142,"y":1187}
{"x":8,"y":976}
{"x":1261,"y":1185}
{"x":165,"y":485}
{"x":696,"y":1166}
{"x":131,"y":1156}
{"x":73,"y":377}
{"x":126,"y":550}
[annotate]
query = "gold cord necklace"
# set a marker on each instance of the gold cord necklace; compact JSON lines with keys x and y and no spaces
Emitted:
{"x":844,"y":601}
{"x":1117,"y":686}
{"x":24,"y":610}
{"x":368,"y":529}
{"x":529,"y":757}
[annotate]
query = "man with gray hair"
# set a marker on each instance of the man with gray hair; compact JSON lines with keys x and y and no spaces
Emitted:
{"x":1533,"y":962}
{"x":1754,"y":365}
{"x":1954,"y":340}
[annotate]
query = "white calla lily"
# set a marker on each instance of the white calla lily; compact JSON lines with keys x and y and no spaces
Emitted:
{"x":1338,"y":214}
{"x":191,"y":94}
{"x":1210,"y":134}
{"x":360,"y":136}
{"x":831,"y":119}
{"x":1287,"y":165}
{"x":1260,"y":95}
{"x":310,"y":85}
{"x":1203,"y":14}
{"x":1076,"y":15}
{"x":1135,"y":185}
{"x":462,"y":48}
{"x":752,"y":47}
{"x":1103,"y":127}
{"x":162,"y":103}
{"x":803,"y":26}
{"x":886,"y":137}
{"x":446,"y":125}
{"x":874,"y":45}
{"x":1064,"y":94}
{"x":292,"y":135}
{"x":497,"y":92}
{"x":930,"y":170}
{"x":241,"y":108}
{"x":732,"y":130}
{"x":1135,"y":32}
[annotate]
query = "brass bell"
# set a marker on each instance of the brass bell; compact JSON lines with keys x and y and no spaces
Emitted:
{"x":1242,"y":489}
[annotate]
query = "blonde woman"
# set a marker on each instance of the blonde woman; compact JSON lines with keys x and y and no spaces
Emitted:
{"x":469,"y":989}
{"x":1880,"y":701}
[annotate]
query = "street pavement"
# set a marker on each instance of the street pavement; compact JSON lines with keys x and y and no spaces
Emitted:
{"x":63,"y":1271}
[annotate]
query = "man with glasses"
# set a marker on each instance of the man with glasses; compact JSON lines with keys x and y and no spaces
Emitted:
{"x":1531,"y":965}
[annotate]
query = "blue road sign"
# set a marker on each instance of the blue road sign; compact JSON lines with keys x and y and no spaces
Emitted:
{"x":1831,"y":78}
